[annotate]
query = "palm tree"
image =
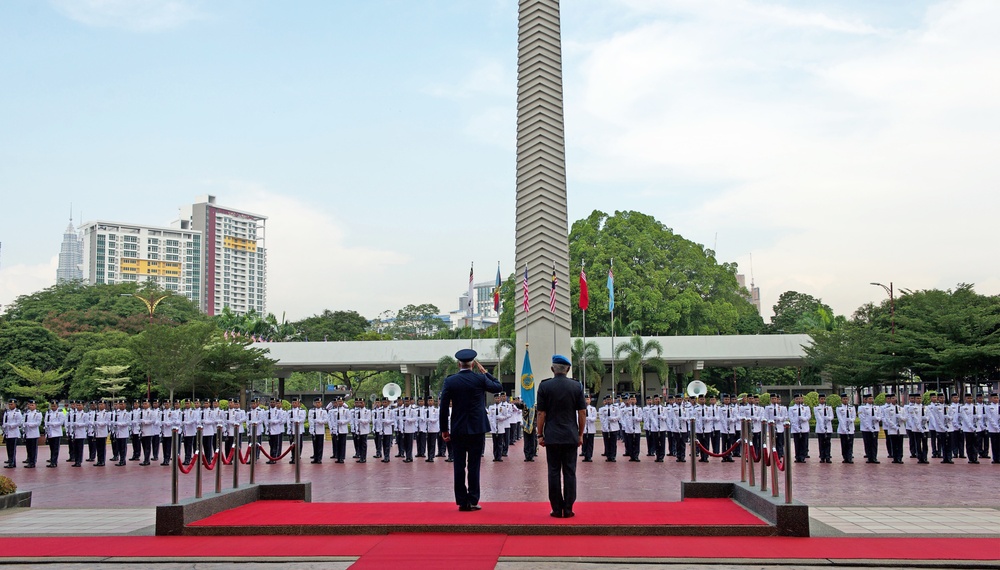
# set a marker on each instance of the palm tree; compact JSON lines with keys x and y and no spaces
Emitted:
{"x":586,"y":360}
{"x":505,"y":356}
{"x":638,"y":355}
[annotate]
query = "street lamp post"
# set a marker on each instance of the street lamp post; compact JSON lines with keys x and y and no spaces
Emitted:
{"x":151,"y":304}
{"x":892,"y":312}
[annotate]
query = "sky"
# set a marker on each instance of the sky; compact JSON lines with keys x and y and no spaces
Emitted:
{"x":833,"y":143}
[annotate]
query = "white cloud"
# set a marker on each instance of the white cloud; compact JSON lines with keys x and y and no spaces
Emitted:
{"x":133,"y":15}
{"x":17,"y":280}
{"x":840,"y":153}
{"x":313,"y":263}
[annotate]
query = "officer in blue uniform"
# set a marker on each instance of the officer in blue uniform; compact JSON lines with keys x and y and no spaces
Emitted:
{"x":463,"y":399}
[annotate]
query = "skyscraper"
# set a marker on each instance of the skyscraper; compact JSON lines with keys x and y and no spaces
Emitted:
{"x":70,"y":256}
{"x":170,"y":258}
{"x":235,"y":259}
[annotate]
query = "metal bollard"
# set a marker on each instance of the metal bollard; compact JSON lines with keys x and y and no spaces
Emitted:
{"x":174,"y":468}
{"x":218,"y":461}
{"x":694,"y":461}
{"x":766,"y":440}
{"x":253,"y":453}
{"x":197,"y":467}
{"x":296,"y":454}
{"x":788,"y":466}
{"x":743,"y":450}
{"x":774,"y":464}
{"x":750,"y":466}
{"x":236,"y":458}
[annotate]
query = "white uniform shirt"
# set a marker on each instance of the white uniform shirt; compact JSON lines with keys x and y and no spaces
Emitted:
{"x":846,"y":414}
{"x":32,"y":423}
{"x":317,"y":421}
{"x":824,"y":418}
{"x":54,"y":422}
{"x":102,"y":424}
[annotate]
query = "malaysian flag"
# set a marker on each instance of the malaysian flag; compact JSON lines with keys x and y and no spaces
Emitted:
{"x":552,"y":292}
{"x":525,"y":287}
{"x":584,"y":294}
{"x":496,"y":292}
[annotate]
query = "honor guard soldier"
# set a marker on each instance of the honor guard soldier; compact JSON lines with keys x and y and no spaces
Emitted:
{"x":934,"y":425}
{"x":411,"y":420}
{"x":275,"y":425}
{"x":317,"y":429}
{"x":530,"y":435}
{"x":388,"y":418}
{"x":121,"y":424}
{"x":846,"y":414}
{"x":729,"y":425}
{"x":893,"y":423}
{"x":993,"y":425}
{"x":715,"y":436}
{"x":508,"y":423}
{"x":968,"y":424}
{"x":362,"y":427}
{"x":340,"y":420}
{"x":494,"y":414}
{"x":136,"y":436}
{"x":91,"y":438}
{"x":955,"y":430}
{"x":778,"y":414}
{"x":799,"y":415}
{"x":295,"y":425}
{"x":983,"y":443}
{"x":158,"y":425}
{"x":650,"y":444}
{"x":433,"y":423}
{"x":610,"y":418}
{"x":147,"y":427}
{"x":189,"y":427}
{"x":632,"y":426}
{"x":31,"y":428}
{"x":870,"y":417}
{"x":589,"y":432}
{"x":257,"y":424}
{"x":55,"y":420}
{"x":917,"y":422}
{"x":170,"y":420}
{"x":209,"y":427}
{"x":939,"y":424}
{"x":824,"y":428}
{"x":102,"y":428}
{"x":81,"y":428}
{"x":421,"y":428}
{"x":704,"y":420}
{"x":377,"y":419}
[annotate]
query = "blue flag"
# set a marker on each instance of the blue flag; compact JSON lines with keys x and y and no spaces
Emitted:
{"x":527,"y":382}
{"x":611,"y":291}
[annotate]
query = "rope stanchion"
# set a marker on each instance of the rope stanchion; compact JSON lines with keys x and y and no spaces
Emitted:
{"x":754,"y":456}
{"x":245,"y":457}
{"x":723,"y":454}
{"x":228,"y":459}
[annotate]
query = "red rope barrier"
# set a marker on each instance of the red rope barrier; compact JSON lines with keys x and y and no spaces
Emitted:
{"x":228,"y":459}
{"x":190,"y":466}
{"x":754,"y":456}
{"x":278,"y":458}
{"x":777,"y":460}
{"x":209,"y":465}
{"x":245,"y":457}
{"x":723,"y":454}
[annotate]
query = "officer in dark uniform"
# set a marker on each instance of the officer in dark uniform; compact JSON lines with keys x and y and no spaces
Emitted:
{"x":462,"y":398}
{"x":562,"y":415}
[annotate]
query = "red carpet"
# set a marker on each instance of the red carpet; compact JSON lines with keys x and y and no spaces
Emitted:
{"x":430,"y":551}
{"x":410,"y":547}
{"x":291,"y":513}
{"x":777,"y":547}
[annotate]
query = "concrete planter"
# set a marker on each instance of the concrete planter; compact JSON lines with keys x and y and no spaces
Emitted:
{"x":15,"y":500}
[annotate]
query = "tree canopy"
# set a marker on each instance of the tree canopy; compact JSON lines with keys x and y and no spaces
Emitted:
{"x":664,"y":284}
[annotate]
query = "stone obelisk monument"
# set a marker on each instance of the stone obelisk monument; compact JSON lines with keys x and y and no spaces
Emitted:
{"x":542,"y":225}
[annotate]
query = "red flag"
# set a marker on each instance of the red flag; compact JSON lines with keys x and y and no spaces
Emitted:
{"x":584,"y":294}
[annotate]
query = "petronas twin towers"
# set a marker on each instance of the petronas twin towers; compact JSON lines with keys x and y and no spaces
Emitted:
{"x":542,"y":225}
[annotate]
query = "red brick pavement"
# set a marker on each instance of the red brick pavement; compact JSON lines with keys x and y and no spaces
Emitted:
{"x":816,"y":484}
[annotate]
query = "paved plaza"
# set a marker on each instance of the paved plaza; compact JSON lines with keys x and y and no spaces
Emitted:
{"x":845,"y":500}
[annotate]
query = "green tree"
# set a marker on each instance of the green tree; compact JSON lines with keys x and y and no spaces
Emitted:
{"x":84,"y":342}
{"x":332,"y":325}
{"x":172,"y":356}
{"x":639,"y":354}
{"x":229,"y":366}
{"x":586,"y":358}
{"x":28,"y":345}
{"x":37,"y":384}
{"x":111,"y":380}
{"x":87,"y":380}
{"x":802,"y":313}
{"x":663,"y":282}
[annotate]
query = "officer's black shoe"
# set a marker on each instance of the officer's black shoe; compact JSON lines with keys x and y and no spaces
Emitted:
{"x":120,"y":464}
{"x":556,"y":514}
{"x":431,"y":460}
{"x":144,"y":463}
{"x":588,"y":461}
{"x":948,"y":461}
{"x":165,"y":463}
{"x":99,"y":464}
{"x":339,"y":461}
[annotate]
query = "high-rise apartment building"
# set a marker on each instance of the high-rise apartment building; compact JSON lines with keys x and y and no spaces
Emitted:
{"x":753,"y":292}
{"x":235,"y":258}
{"x":70,"y":256}
{"x":171,"y":258}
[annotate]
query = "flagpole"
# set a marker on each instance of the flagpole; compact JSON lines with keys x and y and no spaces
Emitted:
{"x":553,"y":308}
{"x":584,"y":364}
{"x":612,"y":293}
{"x":472,"y":301}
